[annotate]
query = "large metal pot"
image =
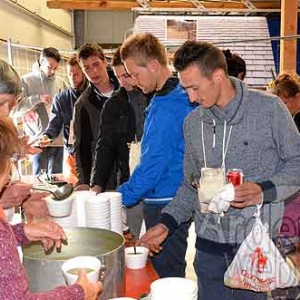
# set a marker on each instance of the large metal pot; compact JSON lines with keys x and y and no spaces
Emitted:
{"x":44,"y":270}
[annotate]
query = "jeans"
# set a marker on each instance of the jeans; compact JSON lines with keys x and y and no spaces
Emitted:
{"x":210,"y":265}
{"x":170,"y":262}
{"x":135,"y":219}
{"x":51,"y":160}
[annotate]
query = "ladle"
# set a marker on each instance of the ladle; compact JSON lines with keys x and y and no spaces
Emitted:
{"x":60,"y":193}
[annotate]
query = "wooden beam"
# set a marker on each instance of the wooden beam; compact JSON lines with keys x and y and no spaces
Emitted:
{"x":288,"y":48}
{"x":128,"y":5}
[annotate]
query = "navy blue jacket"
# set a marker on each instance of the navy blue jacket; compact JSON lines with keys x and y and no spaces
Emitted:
{"x":61,"y":115}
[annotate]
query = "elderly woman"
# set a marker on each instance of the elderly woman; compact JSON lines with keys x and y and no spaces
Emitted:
{"x":18,"y":193}
{"x":13,"y":280}
{"x":287,"y":87}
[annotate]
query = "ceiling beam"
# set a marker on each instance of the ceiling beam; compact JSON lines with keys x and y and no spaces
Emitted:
{"x":143,"y":3}
{"x":129,"y":5}
{"x":248,"y":4}
{"x":198,"y":4}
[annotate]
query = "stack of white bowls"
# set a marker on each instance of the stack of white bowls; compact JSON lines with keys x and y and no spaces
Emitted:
{"x":97,"y":212}
{"x":68,"y":221}
{"x":80,"y":198}
{"x":174,"y":288}
{"x":116,"y":223}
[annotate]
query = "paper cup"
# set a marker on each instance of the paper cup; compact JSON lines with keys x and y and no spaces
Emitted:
{"x":136,"y":261}
{"x":71,"y":266}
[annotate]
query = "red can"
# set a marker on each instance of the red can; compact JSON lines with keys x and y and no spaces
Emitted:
{"x":235,"y":176}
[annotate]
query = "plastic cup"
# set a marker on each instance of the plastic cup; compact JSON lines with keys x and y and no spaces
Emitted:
{"x":138,"y":260}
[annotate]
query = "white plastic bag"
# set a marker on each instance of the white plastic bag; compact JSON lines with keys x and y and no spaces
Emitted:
{"x":220,"y":202}
{"x":258,"y":265}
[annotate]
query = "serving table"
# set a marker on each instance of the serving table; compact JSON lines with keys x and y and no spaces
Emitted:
{"x":137,"y":282}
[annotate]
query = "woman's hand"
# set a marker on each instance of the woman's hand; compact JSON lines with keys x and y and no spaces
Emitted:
{"x":27,"y":148}
{"x":35,"y":207}
{"x":91,"y":290}
{"x":49,"y":233}
{"x":15,"y":194}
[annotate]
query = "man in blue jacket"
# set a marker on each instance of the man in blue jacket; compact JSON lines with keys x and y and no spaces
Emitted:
{"x":61,"y":114}
{"x":160,"y":172}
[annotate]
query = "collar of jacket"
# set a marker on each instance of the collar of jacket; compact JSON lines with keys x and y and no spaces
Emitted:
{"x":114,"y":82}
{"x":169,"y":86}
{"x":78,"y":91}
{"x":233,"y":112}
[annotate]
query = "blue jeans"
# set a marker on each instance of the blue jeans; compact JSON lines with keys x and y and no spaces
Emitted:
{"x":51,"y":160}
{"x":211,"y":263}
{"x":170,"y":262}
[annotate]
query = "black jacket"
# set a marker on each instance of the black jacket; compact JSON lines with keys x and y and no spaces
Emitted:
{"x":87,"y":113}
{"x":117,"y":129}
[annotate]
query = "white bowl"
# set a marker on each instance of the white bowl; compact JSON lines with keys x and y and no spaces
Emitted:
{"x":59,"y":208}
{"x":81,"y":262}
{"x":174,"y":288}
{"x":136,"y":261}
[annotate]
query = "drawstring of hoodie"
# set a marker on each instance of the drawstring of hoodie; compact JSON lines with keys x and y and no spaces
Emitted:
{"x":224,"y":145}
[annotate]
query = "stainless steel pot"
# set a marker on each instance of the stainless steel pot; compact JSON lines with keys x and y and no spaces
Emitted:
{"x":44,"y":270}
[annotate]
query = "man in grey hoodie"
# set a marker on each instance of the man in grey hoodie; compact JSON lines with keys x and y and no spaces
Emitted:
{"x":39,"y":88}
{"x":233,"y":127}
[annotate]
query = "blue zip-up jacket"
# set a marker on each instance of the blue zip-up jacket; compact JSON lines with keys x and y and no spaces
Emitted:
{"x":61,"y":114}
{"x":160,"y":171}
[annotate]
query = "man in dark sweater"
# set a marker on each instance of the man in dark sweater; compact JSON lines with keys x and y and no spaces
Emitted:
{"x":61,"y":115}
{"x":88,"y":109}
{"x":121,"y":122}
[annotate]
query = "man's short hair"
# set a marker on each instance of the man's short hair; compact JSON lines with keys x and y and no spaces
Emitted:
{"x":116,"y":59}
{"x":142,"y":48}
{"x":72,"y":61}
{"x":10,"y":82}
{"x":286,"y":84}
{"x":50,"y":53}
{"x":88,"y":50}
{"x":206,"y":56}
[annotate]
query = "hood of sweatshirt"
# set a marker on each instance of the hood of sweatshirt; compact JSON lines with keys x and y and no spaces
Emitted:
{"x":233,"y":112}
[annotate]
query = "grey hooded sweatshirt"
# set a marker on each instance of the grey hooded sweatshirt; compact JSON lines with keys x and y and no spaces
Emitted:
{"x":34,"y":112}
{"x":264,"y":143}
